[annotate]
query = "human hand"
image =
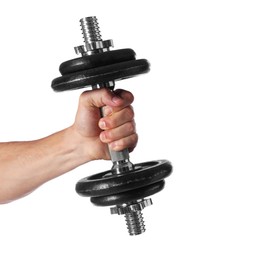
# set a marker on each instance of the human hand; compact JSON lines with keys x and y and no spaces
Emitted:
{"x":116,"y":129}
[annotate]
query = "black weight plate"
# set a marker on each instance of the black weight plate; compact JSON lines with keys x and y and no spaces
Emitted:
{"x":106,"y":183}
{"x":125,"y":197}
{"x":96,"y":60}
{"x":100,"y":75}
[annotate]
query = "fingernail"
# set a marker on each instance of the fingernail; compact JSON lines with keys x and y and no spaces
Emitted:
{"x":102,"y":137}
{"x":102,"y":124}
{"x":107,"y":111}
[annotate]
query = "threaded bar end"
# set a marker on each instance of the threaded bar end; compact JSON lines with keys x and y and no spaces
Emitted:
{"x":135,"y":223}
{"x":90,"y":29}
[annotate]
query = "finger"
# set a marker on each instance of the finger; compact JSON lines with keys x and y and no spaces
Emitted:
{"x":116,"y":119}
{"x":121,"y":100}
{"x":118,"y":133}
{"x":128,"y":142}
{"x":125,"y":95}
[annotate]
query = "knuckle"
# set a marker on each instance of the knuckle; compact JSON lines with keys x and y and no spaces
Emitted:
{"x":105,"y":91}
{"x":131,"y":127}
{"x":83,"y":96}
{"x":127,"y":95}
{"x":131,"y":97}
{"x":129,"y":111}
{"x":134,"y":139}
{"x":130,"y":141}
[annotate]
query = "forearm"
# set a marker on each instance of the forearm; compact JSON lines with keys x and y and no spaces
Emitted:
{"x":24,"y":166}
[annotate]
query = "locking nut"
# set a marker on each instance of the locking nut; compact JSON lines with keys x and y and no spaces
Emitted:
{"x":130,"y":208}
{"x":97,"y":45}
{"x":80,"y":50}
{"x":93,"y":46}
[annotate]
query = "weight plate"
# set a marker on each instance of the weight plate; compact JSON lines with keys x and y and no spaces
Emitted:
{"x":96,"y":60}
{"x":125,"y":197}
{"x":100,"y":75}
{"x":106,"y":183}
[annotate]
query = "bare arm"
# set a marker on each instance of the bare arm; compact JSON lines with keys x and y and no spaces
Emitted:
{"x":24,"y":166}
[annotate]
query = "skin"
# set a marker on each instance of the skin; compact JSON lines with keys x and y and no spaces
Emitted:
{"x":24,"y":166}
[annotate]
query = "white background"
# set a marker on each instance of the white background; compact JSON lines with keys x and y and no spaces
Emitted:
{"x":198,"y":107}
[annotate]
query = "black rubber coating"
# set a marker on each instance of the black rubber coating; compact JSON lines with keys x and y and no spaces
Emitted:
{"x":125,"y":197}
{"x":97,"y":60}
{"x":100,"y":75}
{"x":106,"y":183}
{"x":105,"y":188}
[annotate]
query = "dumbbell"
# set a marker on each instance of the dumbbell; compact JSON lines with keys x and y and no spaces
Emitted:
{"x":125,"y":186}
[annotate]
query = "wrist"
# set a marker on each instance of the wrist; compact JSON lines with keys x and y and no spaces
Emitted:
{"x":75,"y":145}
